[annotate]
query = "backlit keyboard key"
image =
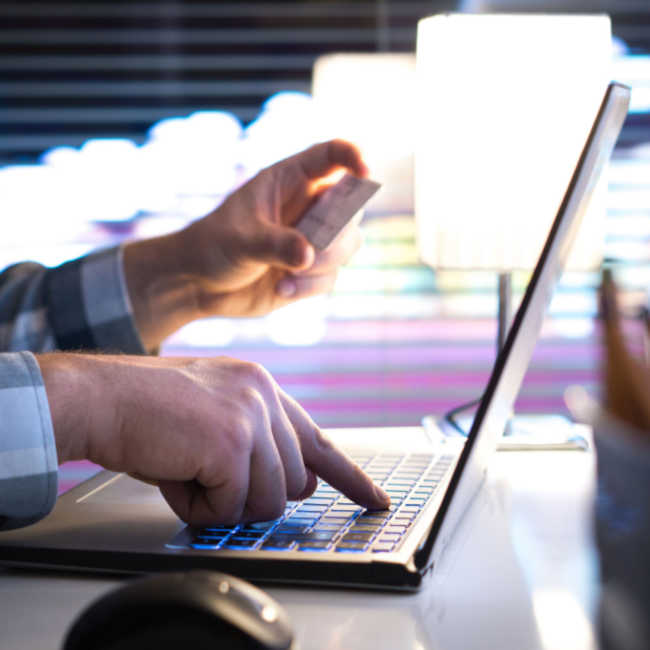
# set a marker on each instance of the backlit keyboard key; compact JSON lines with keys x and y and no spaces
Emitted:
{"x":399,"y":530}
{"x":365,"y":528}
{"x":415,"y":502}
{"x":299,"y":521}
{"x":402,"y":522}
{"x":309,"y":509}
{"x":334,"y":520}
{"x":319,"y":501}
{"x":326,"y":526}
{"x":291,"y":530}
{"x":351,"y":547}
{"x":352,"y":509}
{"x":383,"y":547}
{"x":254,"y":534}
{"x":374,"y":517}
{"x":205,"y":547}
{"x":370,"y":521}
{"x":358,"y":537}
{"x":319,"y":535}
{"x":240,"y":544}
{"x":314,"y":546}
{"x":278,"y":544}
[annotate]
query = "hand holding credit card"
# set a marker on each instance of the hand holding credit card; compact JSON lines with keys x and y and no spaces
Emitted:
{"x":323,"y":221}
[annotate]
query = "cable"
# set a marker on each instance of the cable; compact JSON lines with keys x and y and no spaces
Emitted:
{"x":450,"y":416}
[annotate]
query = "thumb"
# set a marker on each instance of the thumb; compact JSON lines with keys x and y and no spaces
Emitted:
{"x":281,"y":246}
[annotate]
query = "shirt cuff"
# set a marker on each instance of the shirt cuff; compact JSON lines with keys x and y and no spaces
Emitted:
{"x":28,"y":461}
{"x":88,"y":304}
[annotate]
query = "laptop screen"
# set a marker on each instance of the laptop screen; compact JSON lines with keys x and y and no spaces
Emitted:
{"x":511,"y":365}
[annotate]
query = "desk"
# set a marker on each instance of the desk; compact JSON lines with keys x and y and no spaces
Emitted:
{"x":520,"y":574}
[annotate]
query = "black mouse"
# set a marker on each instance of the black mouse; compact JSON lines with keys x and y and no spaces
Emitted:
{"x":197,"y":609}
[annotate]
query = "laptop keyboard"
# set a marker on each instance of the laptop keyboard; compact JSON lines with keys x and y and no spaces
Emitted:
{"x":329,"y":522}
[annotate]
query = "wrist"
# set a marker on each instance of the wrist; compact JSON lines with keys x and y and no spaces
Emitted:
{"x":70,"y":406}
{"x":162,"y":292}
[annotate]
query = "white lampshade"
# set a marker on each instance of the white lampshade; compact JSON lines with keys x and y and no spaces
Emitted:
{"x":369,"y":99}
{"x":505,"y":104}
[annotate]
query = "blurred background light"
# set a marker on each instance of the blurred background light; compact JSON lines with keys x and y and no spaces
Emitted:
{"x":370,"y":100}
{"x":285,"y":126}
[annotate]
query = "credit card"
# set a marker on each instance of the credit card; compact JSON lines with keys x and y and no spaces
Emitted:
{"x":334,"y":208}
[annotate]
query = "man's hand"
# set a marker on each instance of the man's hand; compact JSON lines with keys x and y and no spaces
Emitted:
{"x":245,"y":258}
{"x":222,"y":440}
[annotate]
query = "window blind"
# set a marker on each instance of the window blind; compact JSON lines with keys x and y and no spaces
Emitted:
{"x":70,"y":70}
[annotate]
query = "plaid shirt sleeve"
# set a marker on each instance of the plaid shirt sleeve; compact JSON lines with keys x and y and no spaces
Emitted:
{"x":28,"y":462}
{"x":82,"y":304}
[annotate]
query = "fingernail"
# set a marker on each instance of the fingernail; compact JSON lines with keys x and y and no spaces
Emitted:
{"x":285,"y":288}
{"x":308,"y":257}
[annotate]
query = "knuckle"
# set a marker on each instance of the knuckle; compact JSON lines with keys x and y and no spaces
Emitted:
{"x":239,"y":434}
{"x":336,"y":145}
{"x":254,"y":374}
{"x":249,"y":400}
{"x":266,"y":176}
{"x":197,"y":367}
{"x":241,"y":439}
{"x":322,"y":443}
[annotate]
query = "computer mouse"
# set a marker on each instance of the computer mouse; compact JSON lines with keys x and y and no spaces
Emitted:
{"x":195,"y":609}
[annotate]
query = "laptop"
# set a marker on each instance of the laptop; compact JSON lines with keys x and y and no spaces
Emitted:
{"x":117,"y":524}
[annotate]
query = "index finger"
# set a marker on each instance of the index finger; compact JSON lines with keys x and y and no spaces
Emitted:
{"x":331,"y":463}
{"x":323,"y":158}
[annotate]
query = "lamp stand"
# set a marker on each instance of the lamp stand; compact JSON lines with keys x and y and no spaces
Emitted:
{"x":504,"y":309}
{"x":504,"y":318}
{"x":522,"y":433}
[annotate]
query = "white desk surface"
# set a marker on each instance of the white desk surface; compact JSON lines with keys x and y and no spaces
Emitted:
{"x":520,"y":574}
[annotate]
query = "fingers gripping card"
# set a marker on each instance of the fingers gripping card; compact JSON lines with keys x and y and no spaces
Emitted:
{"x":334,"y":208}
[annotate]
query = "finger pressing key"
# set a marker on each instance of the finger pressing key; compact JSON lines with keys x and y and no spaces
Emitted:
{"x":330,"y":463}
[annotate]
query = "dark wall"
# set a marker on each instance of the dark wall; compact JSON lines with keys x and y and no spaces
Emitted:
{"x":75,"y":69}
{"x":70,"y":70}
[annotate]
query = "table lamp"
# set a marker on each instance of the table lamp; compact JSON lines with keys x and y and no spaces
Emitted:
{"x":504,"y":105}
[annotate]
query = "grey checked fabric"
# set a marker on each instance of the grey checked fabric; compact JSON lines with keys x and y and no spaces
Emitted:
{"x":80,"y":305}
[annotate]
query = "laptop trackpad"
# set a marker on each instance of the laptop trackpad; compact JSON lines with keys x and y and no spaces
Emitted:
{"x":122,"y":489}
